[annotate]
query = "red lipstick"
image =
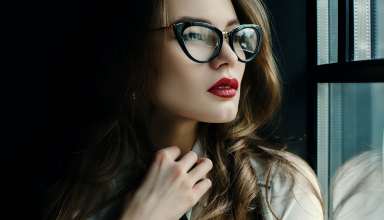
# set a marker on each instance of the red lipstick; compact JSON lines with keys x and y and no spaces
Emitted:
{"x":225,"y":88}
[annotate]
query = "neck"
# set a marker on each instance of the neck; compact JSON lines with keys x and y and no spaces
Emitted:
{"x":167,"y":130}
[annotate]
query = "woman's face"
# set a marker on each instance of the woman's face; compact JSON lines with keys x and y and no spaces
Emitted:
{"x":183,"y":85}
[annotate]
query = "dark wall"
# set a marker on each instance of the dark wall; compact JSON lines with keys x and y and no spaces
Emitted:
{"x":290,"y":38}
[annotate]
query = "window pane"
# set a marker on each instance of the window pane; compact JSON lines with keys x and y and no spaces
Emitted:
{"x":362,"y":29}
{"x":378,"y":29}
{"x":323,"y":140}
{"x":354,"y":127}
{"x":368,"y":29}
{"x":327,"y":19}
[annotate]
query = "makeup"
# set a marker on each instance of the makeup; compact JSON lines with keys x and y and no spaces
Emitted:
{"x":225,"y":88}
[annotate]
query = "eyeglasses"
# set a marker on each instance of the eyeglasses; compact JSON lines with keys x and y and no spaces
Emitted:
{"x":202,"y":42}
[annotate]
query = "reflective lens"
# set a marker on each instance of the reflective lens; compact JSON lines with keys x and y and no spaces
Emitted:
{"x":200,"y":42}
{"x":245,"y":43}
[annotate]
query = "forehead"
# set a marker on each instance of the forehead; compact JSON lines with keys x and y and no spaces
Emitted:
{"x":217,"y":12}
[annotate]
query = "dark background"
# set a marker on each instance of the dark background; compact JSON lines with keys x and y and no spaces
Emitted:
{"x":291,"y":40}
{"x":46,"y":112}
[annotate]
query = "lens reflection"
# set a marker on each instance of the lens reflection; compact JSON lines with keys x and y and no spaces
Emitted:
{"x":245,"y":43}
{"x":200,"y":42}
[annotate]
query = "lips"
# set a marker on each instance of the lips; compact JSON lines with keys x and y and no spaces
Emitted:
{"x":225,"y":87}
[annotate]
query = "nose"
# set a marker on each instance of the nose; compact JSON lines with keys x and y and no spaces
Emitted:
{"x":226,"y":56}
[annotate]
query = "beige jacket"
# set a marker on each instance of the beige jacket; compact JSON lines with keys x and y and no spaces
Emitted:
{"x":298,"y":204}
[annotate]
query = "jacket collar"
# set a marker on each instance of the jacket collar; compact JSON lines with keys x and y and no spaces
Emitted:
{"x":198,"y":149}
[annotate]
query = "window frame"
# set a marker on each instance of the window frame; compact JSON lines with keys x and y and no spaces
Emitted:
{"x":345,"y":70}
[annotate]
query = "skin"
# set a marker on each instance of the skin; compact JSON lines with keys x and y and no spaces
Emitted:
{"x":181,"y":100}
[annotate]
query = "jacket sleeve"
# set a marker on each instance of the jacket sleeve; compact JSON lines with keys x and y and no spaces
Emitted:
{"x":293,"y":193}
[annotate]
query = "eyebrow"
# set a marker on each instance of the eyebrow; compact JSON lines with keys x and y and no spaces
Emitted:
{"x":189,"y":18}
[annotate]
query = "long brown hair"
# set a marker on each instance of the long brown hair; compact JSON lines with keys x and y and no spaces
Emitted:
{"x":113,"y":166}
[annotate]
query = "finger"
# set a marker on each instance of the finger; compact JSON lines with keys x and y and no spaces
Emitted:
{"x":153,"y":172}
{"x":169,"y":153}
{"x":202,"y":187}
{"x":200,"y":170}
{"x":188,"y":160}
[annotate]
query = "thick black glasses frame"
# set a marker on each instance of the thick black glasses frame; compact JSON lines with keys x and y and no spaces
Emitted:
{"x":179,"y":28}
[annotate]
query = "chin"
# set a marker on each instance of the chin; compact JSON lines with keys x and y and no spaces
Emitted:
{"x":222,"y":117}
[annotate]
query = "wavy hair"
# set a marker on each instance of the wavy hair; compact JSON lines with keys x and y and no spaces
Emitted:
{"x":112,"y":166}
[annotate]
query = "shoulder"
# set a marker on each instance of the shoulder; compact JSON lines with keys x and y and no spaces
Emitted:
{"x":289,"y":185}
{"x":357,"y":183}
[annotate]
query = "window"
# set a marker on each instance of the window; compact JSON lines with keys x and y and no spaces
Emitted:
{"x":327,"y":23}
{"x":360,"y":25}
{"x":378,"y":29}
{"x":368,"y":38}
{"x":350,"y":123}
{"x":347,"y":81}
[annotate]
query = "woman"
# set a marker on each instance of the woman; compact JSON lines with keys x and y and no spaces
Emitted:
{"x":202,"y":81}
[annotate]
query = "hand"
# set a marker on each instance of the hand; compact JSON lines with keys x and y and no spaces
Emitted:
{"x":170,"y":188}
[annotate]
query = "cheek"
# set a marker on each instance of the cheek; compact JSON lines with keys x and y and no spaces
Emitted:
{"x":182,"y":89}
{"x":181,"y":81}
{"x":240,"y":69}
